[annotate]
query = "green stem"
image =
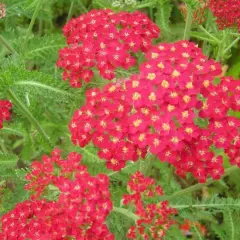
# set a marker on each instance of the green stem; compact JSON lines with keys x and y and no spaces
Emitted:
{"x":70,"y":12}
{"x":231,"y":45}
{"x":213,"y":205}
{"x":12,"y":131}
{"x":28,"y":114}
{"x":146,"y":165}
{"x":6,"y":44}
{"x":197,"y":186}
{"x":197,"y":231}
{"x":235,"y":34}
{"x":124,"y":169}
{"x":188,"y":25}
{"x":191,"y":189}
{"x":30,"y":27}
{"x":126,"y":213}
{"x":4,"y":149}
{"x":83,"y":7}
{"x":171,"y":173}
{"x":205,"y":47}
{"x":40,"y":27}
{"x":220,"y":55}
{"x":210,"y":35}
{"x":46,"y":87}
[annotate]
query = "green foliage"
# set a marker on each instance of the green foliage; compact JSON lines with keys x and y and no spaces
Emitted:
{"x":45,"y":104}
{"x":129,"y":5}
{"x":163,"y":15}
{"x":229,"y":228}
{"x":8,"y":160}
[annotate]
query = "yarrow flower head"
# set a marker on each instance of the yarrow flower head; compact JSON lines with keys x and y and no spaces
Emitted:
{"x":105,"y":40}
{"x":153,"y":219}
{"x":227,"y":12}
{"x":163,"y":110}
{"x":5,"y":107}
{"x":80,"y":210}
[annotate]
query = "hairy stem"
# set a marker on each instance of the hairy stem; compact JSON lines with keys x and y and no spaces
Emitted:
{"x":210,"y":35}
{"x":220,"y":54}
{"x":46,"y":87}
{"x":146,"y":165}
{"x":188,"y":25}
{"x":185,"y":191}
{"x":30,"y":27}
{"x":6,"y":44}
{"x":70,"y":12}
{"x":197,"y":186}
{"x":4,"y":149}
{"x":28,"y":114}
{"x":231,"y":45}
{"x":126,"y":213}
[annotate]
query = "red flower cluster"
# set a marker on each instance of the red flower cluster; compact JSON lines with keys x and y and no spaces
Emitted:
{"x":42,"y":219}
{"x":154,"y":219}
{"x":155,"y":111}
{"x":80,"y":211}
{"x":5,"y":107}
{"x":105,"y":40}
{"x":227,"y":12}
{"x":223,"y":130}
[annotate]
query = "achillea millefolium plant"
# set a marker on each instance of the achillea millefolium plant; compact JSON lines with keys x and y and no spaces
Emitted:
{"x":151,"y":153}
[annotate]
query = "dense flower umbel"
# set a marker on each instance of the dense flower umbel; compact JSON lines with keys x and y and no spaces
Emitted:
{"x":187,"y":225}
{"x":224,"y":129}
{"x":105,"y":40}
{"x":42,"y":219}
{"x":227,"y":12}
{"x":5,"y":107}
{"x":154,"y":219}
{"x":156,"y":111}
{"x":80,"y":210}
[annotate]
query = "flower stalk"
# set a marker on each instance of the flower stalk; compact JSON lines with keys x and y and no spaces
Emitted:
{"x":198,"y":186}
{"x":28,"y":114}
{"x":30,"y":27}
{"x":188,"y":25}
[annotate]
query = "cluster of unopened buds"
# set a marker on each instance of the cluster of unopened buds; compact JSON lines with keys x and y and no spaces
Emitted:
{"x":5,"y":107}
{"x":188,"y":225}
{"x":227,"y":12}
{"x":82,"y":205}
{"x":153,"y":219}
{"x":162,"y":111}
{"x":103,"y":40}
{"x":2,"y":10}
{"x":198,"y":13}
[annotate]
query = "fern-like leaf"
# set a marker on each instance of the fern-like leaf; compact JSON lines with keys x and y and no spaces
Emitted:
{"x":8,"y":160}
{"x":163,"y":14}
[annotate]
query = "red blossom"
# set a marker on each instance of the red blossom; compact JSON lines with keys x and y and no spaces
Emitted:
{"x":153,"y":219}
{"x":80,"y":210}
{"x":104,"y":40}
{"x":5,"y":107}
{"x":171,"y":109}
{"x":227,"y":12}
